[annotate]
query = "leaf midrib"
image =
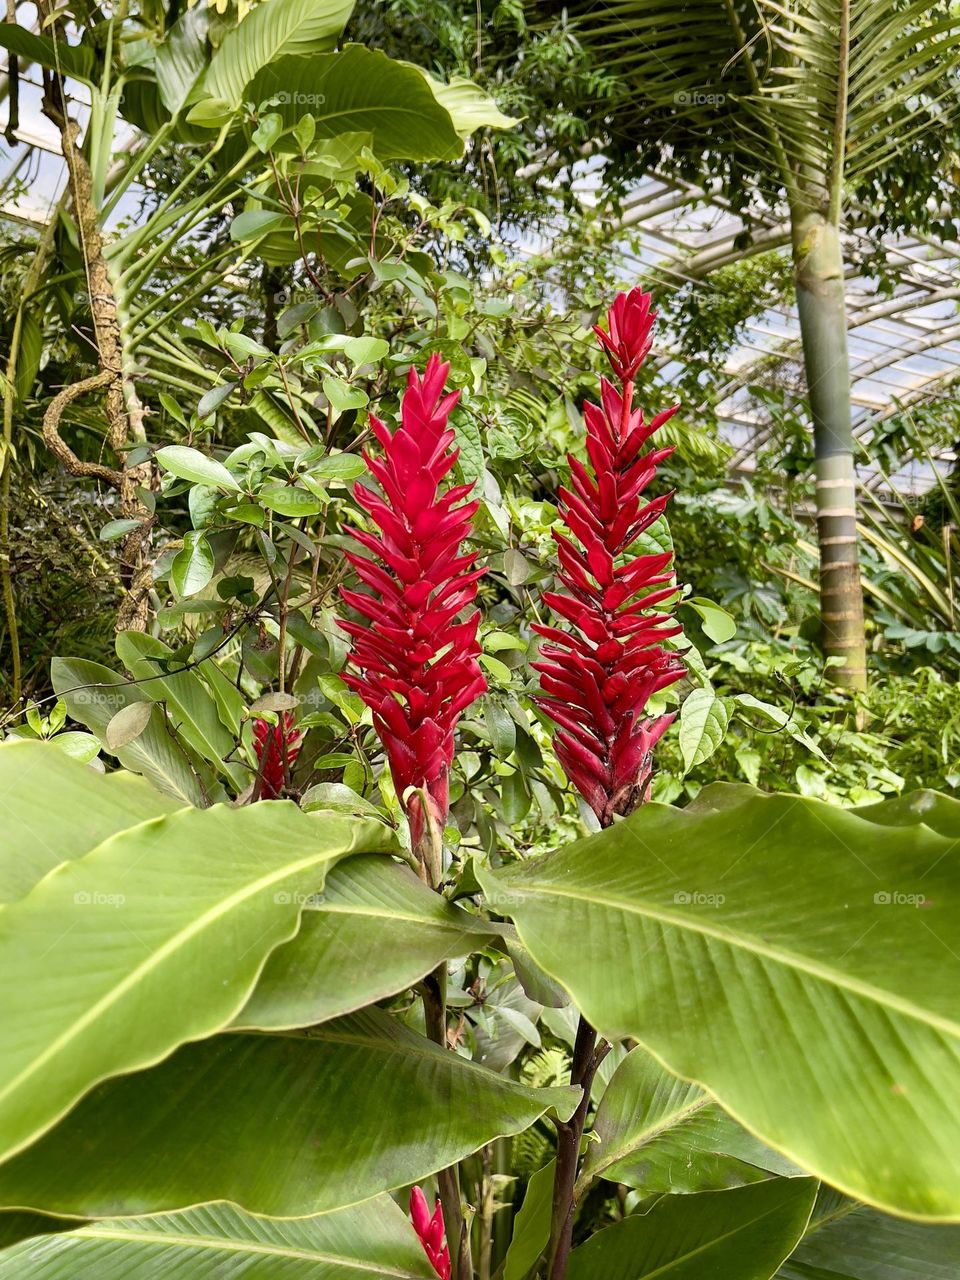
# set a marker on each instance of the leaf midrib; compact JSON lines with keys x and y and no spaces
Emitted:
{"x":156,"y":958}
{"x":746,"y":942}
{"x":179,"y":1240}
{"x":670,"y":1120}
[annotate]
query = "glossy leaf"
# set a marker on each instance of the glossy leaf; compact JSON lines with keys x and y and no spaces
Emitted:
{"x":191,"y":464}
{"x":703,"y":722}
{"x":98,"y":958}
{"x":531,"y":1228}
{"x":37,"y":835}
{"x":743,"y":1234}
{"x":221,"y":1242}
{"x":660,"y":1134}
{"x":361,"y":90}
{"x":281,"y":1124}
{"x":271,"y":31}
{"x":793,"y":958}
{"x":847,"y":1241}
{"x":375,"y":930}
{"x":94,"y":694}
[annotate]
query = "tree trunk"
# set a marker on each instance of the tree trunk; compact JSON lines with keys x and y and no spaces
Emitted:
{"x":818,"y":264}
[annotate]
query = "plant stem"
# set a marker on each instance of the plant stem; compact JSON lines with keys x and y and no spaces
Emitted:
{"x":448,"y":1180}
{"x":586,"y":1058}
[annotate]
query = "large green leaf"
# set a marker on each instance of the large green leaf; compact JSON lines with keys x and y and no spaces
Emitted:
{"x":662,"y":1134}
{"x":361,"y":90}
{"x":194,"y":710}
{"x":742,"y":1234}
{"x":774,"y":951}
{"x":468,"y":106}
{"x":847,"y":1241}
{"x":376,"y":930}
{"x":53,"y":808}
{"x":155,"y":937}
{"x":221,"y":1242}
{"x":93,"y":695}
{"x":72,"y":60}
{"x":281,"y":1124}
{"x":271,"y":30}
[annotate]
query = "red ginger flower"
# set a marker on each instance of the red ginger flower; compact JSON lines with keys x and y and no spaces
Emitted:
{"x":430,"y":1231}
{"x":280,"y":744}
{"x":598,"y":676}
{"x":415,"y":666}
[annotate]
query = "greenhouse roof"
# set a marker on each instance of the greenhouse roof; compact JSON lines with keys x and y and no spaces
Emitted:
{"x":904,"y":347}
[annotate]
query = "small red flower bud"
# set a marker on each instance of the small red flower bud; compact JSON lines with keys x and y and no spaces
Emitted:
{"x":430,"y":1231}
{"x":598,"y":676}
{"x":277,"y":747}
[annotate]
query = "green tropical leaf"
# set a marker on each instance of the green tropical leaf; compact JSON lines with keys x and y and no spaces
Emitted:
{"x":270,"y":31}
{"x":847,"y":1241}
{"x":376,"y":930}
{"x":195,"y":711}
{"x":703,"y":723}
{"x":298,"y":1124}
{"x":776,"y":950}
{"x":181,"y":57}
{"x":361,"y":90}
{"x":743,"y":1234}
{"x":191,"y":464}
{"x":531,"y":1228}
{"x":73,"y":60}
{"x":468,"y":106}
{"x":221,"y":1242}
{"x":664,"y":1135}
{"x":55,"y":809}
{"x":97,"y":958}
{"x":193,"y":565}
{"x":93,"y":695}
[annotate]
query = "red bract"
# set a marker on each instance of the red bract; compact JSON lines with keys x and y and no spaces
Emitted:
{"x":598,"y":676}
{"x":414,"y":664}
{"x":430,"y":1231}
{"x":275,"y":744}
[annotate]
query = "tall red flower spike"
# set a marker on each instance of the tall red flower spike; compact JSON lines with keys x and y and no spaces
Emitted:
{"x":430,"y":1230}
{"x":598,"y":676}
{"x":280,"y":744}
{"x":413,"y":664}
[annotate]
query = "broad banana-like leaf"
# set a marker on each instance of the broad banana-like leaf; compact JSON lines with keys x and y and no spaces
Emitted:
{"x":156,"y":936}
{"x":221,"y":1242}
{"x":52,"y":809}
{"x":272,"y":30}
{"x":847,"y":1241}
{"x":796,"y":960}
{"x":280,"y":1124}
{"x":660,"y":1134}
{"x":375,"y":930}
{"x":361,"y":90}
{"x":743,"y":1234}
{"x":93,"y":695}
